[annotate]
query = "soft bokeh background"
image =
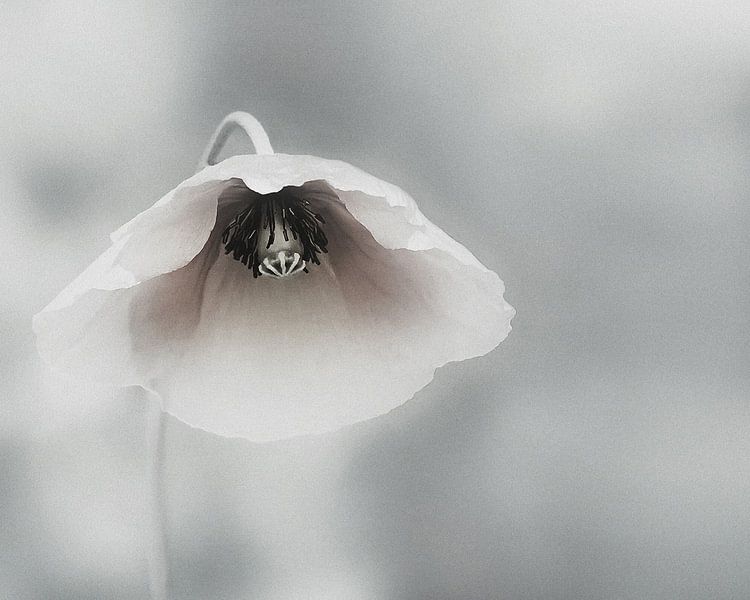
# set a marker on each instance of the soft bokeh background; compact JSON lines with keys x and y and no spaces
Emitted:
{"x":594,"y":153}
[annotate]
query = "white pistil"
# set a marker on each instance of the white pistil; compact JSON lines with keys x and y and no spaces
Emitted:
{"x":296,"y":262}
{"x":270,"y":269}
{"x":279,"y":267}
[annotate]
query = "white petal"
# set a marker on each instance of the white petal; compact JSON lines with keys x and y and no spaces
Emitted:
{"x":266,"y":359}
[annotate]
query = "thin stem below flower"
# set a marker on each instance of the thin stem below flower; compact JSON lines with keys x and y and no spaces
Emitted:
{"x":156,"y":551}
{"x":236,"y":120}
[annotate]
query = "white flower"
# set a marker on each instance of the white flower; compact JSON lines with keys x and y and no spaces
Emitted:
{"x":203,"y":299}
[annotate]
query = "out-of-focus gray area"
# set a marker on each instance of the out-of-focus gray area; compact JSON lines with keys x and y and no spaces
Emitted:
{"x":595,"y":154}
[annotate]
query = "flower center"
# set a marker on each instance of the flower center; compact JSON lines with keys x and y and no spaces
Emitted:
{"x":276,"y":235}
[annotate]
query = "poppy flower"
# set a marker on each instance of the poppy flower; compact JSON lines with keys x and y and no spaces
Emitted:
{"x":274,"y":295}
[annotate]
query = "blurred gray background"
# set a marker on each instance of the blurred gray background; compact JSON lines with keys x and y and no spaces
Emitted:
{"x":594,"y":154}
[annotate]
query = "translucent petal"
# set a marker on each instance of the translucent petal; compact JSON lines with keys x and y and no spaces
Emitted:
{"x":266,"y":359}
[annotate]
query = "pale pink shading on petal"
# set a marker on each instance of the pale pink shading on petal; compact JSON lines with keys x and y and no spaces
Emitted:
{"x":265,"y":359}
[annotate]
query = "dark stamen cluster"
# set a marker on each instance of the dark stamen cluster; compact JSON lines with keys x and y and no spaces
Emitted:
{"x":292,"y":215}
